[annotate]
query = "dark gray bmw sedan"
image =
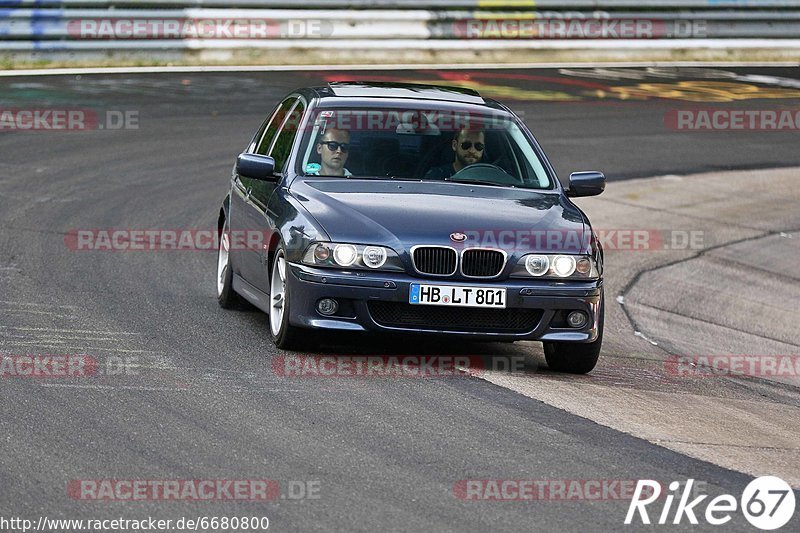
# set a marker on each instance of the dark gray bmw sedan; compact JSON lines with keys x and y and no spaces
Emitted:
{"x":362,"y":206}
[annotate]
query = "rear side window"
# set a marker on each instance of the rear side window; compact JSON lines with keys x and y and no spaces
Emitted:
{"x":272,"y":128}
{"x":283,"y":143}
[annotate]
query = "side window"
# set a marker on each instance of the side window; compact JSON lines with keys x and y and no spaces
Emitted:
{"x":283,"y":143}
{"x":260,"y":189}
{"x":263,"y":144}
{"x":251,"y":148}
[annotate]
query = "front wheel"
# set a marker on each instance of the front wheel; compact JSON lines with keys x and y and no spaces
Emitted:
{"x":574,"y":357}
{"x":227,"y":297}
{"x":283,"y":334}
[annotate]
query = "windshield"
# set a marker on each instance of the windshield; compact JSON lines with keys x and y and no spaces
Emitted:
{"x":427,"y":144}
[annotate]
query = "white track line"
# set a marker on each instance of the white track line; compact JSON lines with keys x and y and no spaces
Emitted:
{"x":90,"y":331}
{"x":33,"y":312}
{"x":111,"y":387}
{"x":37,"y":304}
{"x":84,"y":349}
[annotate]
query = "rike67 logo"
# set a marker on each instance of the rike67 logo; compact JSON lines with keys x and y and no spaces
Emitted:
{"x":767,"y":503}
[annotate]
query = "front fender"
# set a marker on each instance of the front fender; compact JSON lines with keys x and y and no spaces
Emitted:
{"x":224,"y":212}
{"x":294,"y":225}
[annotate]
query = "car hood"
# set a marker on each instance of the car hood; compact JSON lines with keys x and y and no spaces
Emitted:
{"x":401,"y":214}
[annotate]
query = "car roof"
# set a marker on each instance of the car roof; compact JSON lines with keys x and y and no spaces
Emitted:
{"x":375,"y":89}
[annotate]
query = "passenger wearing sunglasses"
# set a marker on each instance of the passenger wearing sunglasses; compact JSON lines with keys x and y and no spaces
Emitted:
{"x":333,"y":149}
{"x":468,"y":147}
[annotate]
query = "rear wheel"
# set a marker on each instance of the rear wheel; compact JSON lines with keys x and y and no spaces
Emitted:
{"x":283,"y":334}
{"x":575,"y":357}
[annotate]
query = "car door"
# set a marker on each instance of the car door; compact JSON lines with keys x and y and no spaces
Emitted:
{"x":256,"y":211}
{"x":245,"y":249}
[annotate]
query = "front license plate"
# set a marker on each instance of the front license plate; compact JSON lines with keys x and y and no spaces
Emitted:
{"x":457,"y":296}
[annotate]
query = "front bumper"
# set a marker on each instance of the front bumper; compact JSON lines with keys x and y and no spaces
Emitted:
{"x":378,"y":301}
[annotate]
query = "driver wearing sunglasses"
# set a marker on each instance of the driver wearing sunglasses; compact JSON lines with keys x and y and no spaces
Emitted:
{"x":333,"y":149}
{"x":468,"y":147}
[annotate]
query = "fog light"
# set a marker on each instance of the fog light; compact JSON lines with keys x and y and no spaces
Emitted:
{"x":327,"y":306}
{"x":577,"y":319}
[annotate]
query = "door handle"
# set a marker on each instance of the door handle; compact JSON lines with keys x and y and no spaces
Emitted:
{"x":247,"y":194}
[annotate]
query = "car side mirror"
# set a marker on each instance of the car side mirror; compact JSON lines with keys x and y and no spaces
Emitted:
{"x":587,"y":183}
{"x":256,"y":166}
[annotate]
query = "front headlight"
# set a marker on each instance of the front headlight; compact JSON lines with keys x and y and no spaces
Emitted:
{"x":343,"y":255}
{"x":552,"y":266}
{"x":374,"y":256}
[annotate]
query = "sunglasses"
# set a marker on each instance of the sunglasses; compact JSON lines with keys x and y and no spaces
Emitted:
{"x":333,"y":146}
{"x":466,"y":145}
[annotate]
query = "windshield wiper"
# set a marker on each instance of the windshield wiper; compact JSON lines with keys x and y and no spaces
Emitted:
{"x":479,"y":182}
{"x":396,"y":178}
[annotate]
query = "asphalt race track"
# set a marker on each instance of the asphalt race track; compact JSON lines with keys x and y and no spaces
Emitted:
{"x":188,"y":391}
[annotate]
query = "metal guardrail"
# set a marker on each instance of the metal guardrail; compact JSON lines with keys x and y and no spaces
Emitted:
{"x":181,"y":24}
{"x":559,"y":5}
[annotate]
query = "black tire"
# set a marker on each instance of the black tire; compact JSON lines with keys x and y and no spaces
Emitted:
{"x":288,"y":337}
{"x":226,"y":296}
{"x":576,"y":357}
